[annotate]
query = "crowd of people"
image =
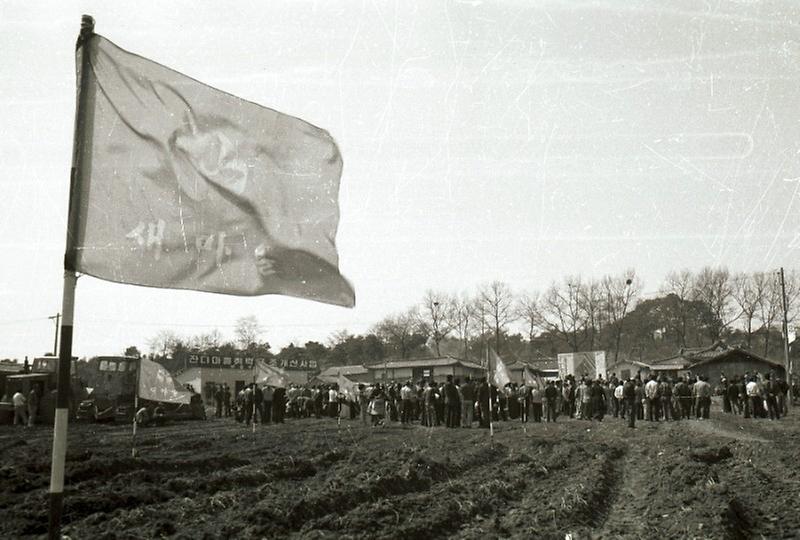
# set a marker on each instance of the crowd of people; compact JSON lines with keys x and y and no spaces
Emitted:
{"x":455,"y":403}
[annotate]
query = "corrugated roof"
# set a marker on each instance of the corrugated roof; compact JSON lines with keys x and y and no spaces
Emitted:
{"x":423,"y":362}
{"x":344,"y":370}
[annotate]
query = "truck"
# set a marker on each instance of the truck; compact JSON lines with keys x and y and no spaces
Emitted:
{"x":111,"y":381}
{"x":44,"y":377}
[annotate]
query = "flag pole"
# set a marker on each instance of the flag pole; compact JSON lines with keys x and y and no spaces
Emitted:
{"x":491,"y":384}
{"x":81,"y":152}
{"x":786,"y":359}
{"x":135,"y":406}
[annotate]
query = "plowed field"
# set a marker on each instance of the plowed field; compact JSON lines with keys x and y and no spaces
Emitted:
{"x":722,"y":478}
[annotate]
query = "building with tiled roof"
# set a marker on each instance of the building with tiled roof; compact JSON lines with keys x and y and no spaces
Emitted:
{"x":430,"y":368}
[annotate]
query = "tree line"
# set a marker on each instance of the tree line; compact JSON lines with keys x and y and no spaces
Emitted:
{"x":610,"y":313}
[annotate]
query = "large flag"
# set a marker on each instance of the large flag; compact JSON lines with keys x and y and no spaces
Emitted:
{"x":347,"y":387}
{"x":266,"y":374}
{"x":156,"y":384}
{"x":500,"y":374}
{"x":188,"y":187}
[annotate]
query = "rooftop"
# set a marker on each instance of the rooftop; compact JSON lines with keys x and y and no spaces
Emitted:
{"x":424,"y":362}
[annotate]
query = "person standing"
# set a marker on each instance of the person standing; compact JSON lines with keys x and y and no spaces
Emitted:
{"x":536,"y":403}
{"x":451,"y":404}
{"x":407,"y":395}
{"x":597,"y":400}
{"x":218,"y":398}
{"x":467,"y":402}
{"x":651,"y":398}
{"x":584,"y":401}
{"x":630,"y":400}
{"x":523,"y":401}
{"x":620,"y":403}
{"x":665,"y":391}
{"x":770,"y":394}
{"x":484,"y":395}
{"x":702,"y":393}
{"x":33,"y":406}
{"x":278,"y":405}
{"x":226,"y":400}
{"x":333,"y":402}
{"x":20,"y":409}
{"x":266,"y":404}
{"x":550,"y":396}
{"x":248,"y":404}
{"x":363,"y":403}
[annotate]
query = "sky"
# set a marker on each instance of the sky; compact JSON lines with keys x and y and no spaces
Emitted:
{"x":513,"y":140}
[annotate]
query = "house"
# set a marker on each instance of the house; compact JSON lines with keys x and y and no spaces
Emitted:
{"x":625,"y":369}
{"x":546,"y":368}
{"x":431,"y":368}
{"x":714,"y":360}
{"x":205,"y":370}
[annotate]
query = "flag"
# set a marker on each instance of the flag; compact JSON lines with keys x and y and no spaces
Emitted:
{"x":528,"y":377}
{"x":187,"y":187}
{"x":156,"y":384}
{"x":500,"y":375}
{"x":347,"y":387}
{"x":531,"y":379}
{"x":266,"y":374}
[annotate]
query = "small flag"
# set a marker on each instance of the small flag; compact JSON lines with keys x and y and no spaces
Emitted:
{"x":188,"y":187}
{"x":530,"y":380}
{"x":156,"y":384}
{"x":500,"y":375}
{"x":271,"y":376}
{"x":347,"y":387}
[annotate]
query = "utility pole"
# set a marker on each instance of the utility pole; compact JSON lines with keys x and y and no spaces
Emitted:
{"x":57,"y":318}
{"x":786,"y":359}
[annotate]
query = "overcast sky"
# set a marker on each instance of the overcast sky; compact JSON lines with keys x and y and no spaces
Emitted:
{"x":519,"y":141}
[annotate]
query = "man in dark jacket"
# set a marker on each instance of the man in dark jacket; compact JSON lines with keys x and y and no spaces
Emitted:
{"x":550,"y":397}
{"x":484,"y":394}
{"x":451,"y":403}
{"x":278,"y":405}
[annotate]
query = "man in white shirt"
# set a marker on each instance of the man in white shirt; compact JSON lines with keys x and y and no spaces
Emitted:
{"x":620,"y":408}
{"x":753,"y":390}
{"x":651,"y":399}
{"x":20,"y":409}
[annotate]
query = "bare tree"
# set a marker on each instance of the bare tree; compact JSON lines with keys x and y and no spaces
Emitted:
{"x":463,"y":320}
{"x":208,"y":340}
{"x":713,"y":287}
{"x":436,"y":314}
{"x":247,"y":331}
{"x":769,"y":309}
{"x":621,"y":293}
{"x":679,"y":284}
{"x":562,"y":312}
{"x":745,"y":292}
{"x":398,"y":330}
{"x":591,"y":302}
{"x":497,"y":303}
{"x":529,"y":312}
{"x":164,"y":343}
